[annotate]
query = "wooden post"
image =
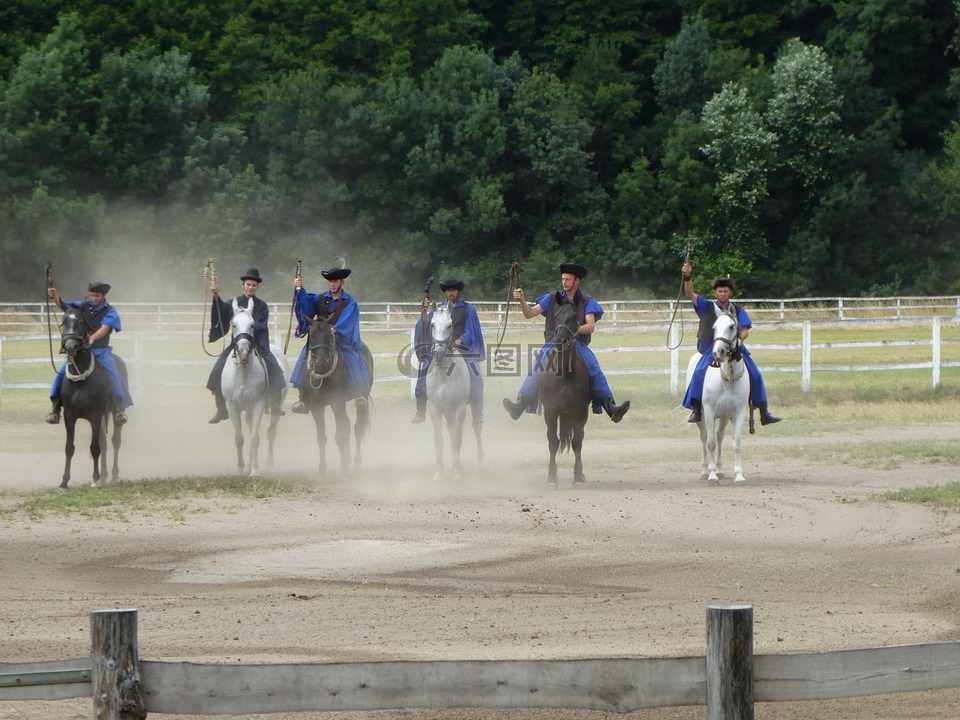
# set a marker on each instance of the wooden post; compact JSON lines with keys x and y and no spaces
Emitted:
{"x":117,"y":692}
{"x":730,"y":663}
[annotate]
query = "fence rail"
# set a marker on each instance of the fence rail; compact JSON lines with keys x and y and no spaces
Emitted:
{"x":188,"y":318}
{"x":728,"y":679}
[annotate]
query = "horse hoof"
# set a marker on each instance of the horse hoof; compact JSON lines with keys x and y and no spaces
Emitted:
{"x":95,"y":485}
{"x":714,"y":482}
{"x":739,"y":479}
{"x":63,"y":485}
{"x":579,"y":480}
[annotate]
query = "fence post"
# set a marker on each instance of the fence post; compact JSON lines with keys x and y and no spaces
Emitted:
{"x":115,"y":664}
{"x":730,"y":663}
{"x":936,"y":351}
{"x":805,"y":362}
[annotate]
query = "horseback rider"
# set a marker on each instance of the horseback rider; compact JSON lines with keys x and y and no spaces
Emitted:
{"x":469,"y":341}
{"x":707,"y":311}
{"x":220,"y":316}
{"x":341,"y":312}
{"x":100,"y":319}
{"x":590,"y":313}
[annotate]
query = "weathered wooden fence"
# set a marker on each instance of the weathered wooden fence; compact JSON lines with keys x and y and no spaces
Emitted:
{"x":729,"y":679}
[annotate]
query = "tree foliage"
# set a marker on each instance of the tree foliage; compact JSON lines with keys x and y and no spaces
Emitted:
{"x":805,"y":146}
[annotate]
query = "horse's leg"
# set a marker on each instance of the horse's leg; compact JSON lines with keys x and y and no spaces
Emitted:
{"x":704,"y":454}
{"x":436,"y":418}
{"x":319,"y":419}
{"x":553,"y":442}
{"x":96,"y":431}
{"x":721,"y":434}
{"x":456,"y":440}
{"x":256,"y":419}
{"x":477,"y":430}
{"x":237,"y":436}
{"x":70,"y":425}
{"x":102,"y":428}
{"x":579,"y":425}
{"x":360,"y":426}
{"x":271,"y":437}
{"x":710,"y":444}
{"x":115,"y":441}
{"x":738,"y":446}
{"x":342,"y":434}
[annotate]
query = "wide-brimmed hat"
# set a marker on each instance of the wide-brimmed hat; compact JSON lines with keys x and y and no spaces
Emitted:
{"x":452,"y":285}
{"x":98,"y":287}
{"x":724,"y":282}
{"x":579,"y":270}
{"x":335,"y":273}
{"x":252,"y":274}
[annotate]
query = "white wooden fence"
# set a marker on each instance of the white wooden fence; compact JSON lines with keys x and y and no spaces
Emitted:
{"x":728,"y":679}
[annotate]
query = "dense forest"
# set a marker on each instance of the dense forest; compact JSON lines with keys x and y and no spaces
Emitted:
{"x":807,"y":147}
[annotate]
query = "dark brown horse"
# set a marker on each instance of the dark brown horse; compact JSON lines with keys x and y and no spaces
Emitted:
{"x":565,"y":393}
{"x":86,"y":395}
{"x":325,"y":385}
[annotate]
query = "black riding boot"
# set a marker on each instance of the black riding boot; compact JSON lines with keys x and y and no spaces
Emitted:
{"x":53,"y":417}
{"x":514,"y":408}
{"x":697,"y":414}
{"x":765,"y":417}
{"x":616,"y":412}
{"x":300,"y":407}
{"x":119,"y":416}
{"x":276,"y":398}
{"x":421,"y":415}
{"x":222,"y":413}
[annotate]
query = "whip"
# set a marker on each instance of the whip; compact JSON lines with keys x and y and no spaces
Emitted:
{"x":673,"y":316}
{"x":296,"y":293}
{"x":49,"y":274}
{"x":209,"y":276}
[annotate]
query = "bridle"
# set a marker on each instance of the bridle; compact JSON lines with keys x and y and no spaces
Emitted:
{"x":731,"y":354}
{"x":563,"y":340}
{"x":70,"y":343}
{"x":317,"y":376}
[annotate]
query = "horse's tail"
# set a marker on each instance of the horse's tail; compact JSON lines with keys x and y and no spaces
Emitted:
{"x":565,"y":431}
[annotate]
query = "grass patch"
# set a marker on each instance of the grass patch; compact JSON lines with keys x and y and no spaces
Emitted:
{"x":171,"y":497}
{"x":946,"y":496}
{"x":885,"y":455}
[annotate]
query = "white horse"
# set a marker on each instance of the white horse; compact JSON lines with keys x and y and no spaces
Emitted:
{"x":448,"y":392}
{"x":726,"y":390}
{"x":244,"y":384}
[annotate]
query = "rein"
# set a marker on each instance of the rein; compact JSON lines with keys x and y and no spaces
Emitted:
{"x":73,"y":372}
{"x":317,"y":378}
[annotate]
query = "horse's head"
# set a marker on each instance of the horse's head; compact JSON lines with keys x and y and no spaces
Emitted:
{"x":441,"y":332}
{"x":567,"y":326}
{"x":242,"y":331}
{"x":321,"y":346}
{"x":73,"y":332}
{"x":726,"y":338}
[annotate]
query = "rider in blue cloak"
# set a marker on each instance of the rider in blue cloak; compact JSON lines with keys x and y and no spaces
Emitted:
{"x":101,"y":319}
{"x":221,"y":315}
{"x":339,"y":310}
{"x":707,"y":311}
{"x":590,"y":313}
{"x":469,"y":341}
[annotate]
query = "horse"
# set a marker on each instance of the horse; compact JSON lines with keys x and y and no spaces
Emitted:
{"x":244,"y":386}
{"x":86,"y":395}
{"x":565,"y":394}
{"x":726,"y":390}
{"x":326,"y":385}
{"x":448,"y":392}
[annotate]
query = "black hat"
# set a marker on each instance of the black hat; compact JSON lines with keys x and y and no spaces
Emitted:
{"x":724,"y":282}
{"x":252,"y":274}
{"x":98,"y":287}
{"x":579,"y":270}
{"x":336,"y":273}
{"x":452,"y":285}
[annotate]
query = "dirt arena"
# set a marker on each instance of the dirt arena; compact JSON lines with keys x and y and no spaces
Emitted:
{"x":389,"y":564}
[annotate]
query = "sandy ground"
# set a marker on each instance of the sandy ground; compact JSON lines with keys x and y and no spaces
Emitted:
{"x":390,"y":564}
